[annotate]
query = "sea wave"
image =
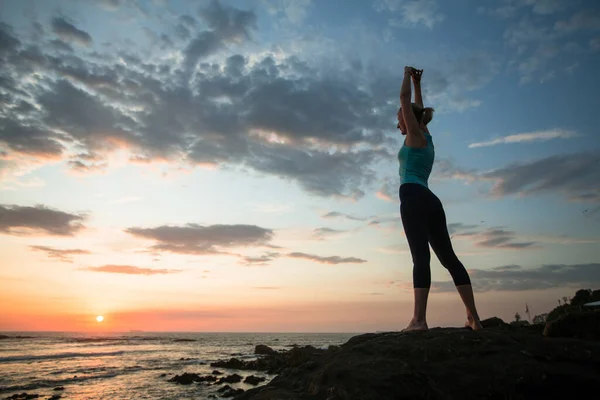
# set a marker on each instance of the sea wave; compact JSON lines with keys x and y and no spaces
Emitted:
{"x":58,"y":356}
{"x":47,"y":383}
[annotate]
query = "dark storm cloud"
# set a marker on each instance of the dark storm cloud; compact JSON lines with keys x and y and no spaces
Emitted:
{"x":60,"y":254}
{"x":516,"y":278}
{"x":201,"y":240}
{"x":68,"y":32}
{"x":327,"y":260}
{"x":14,"y":218}
{"x":130,"y":270}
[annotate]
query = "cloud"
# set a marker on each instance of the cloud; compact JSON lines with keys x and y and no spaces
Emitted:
{"x":517,"y":278}
{"x":227,"y":25}
{"x":492,"y":238}
{"x":327,"y":260}
{"x":64,"y":255}
{"x":511,"y":8}
{"x":324,"y":232}
{"x":269,"y":112}
{"x":295,"y":11}
{"x":110,"y":5}
{"x":130,"y":270}
{"x":412,"y":12}
{"x":203,"y":240}
{"x":21,"y":220}
{"x":69,"y":33}
{"x":389,"y":190}
{"x":595,"y":44}
{"x":575,"y":175}
{"x":537,"y":136}
{"x":265,"y":259}
{"x":337,"y":214}
{"x":537,"y":43}
{"x":583,"y":20}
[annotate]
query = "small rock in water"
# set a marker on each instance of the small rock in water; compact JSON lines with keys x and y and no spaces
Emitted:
{"x":55,"y":397}
{"x":23,"y":396}
{"x":59,"y":388}
{"x":254,"y":380}
{"x":217,"y":372}
{"x":185,"y":378}
{"x":235,"y":378}
{"x":161,"y":375}
{"x":262,"y":349}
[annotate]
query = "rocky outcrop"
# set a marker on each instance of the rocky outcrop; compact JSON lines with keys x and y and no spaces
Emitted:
{"x":501,"y":362}
{"x":262,"y":349}
{"x":275,"y":362}
{"x":584,"y":325}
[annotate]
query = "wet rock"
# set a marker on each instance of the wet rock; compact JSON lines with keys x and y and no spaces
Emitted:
{"x":235,"y":378}
{"x":442,"y":363}
{"x":163,"y":375}
{"x":585,"y":325}
{"x":189,"y":378}
{"x":59,"y":388}
{"x":254,"y":380}
{"x":228,"y":391}
{"x":273,"y":363}
{"x":184,"y":340}
{"x":55,"y":397}
{"x":262,"y":349}
{"x":217,"y":372}
{"x":23,"y":396}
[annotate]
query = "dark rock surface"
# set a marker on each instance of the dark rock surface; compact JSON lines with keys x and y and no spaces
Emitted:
{"x":575,"y":325}
{"x":262,"y":349}
{"x":499,"y":362}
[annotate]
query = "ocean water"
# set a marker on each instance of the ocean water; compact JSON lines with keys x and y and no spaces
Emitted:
{"x":124,"y":366}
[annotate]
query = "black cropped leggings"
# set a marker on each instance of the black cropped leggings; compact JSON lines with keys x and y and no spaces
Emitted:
{"x":424,"y":222}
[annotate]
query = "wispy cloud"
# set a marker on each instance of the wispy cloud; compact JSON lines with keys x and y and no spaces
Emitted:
{"x":64,"y":255}
{"x":324,"y":232}
{"x":411,"y":12}
{"x":537,"y":136}
{"x":327,"y":260}
{"x":517,"y":278}
{"x":337,"y":214}
{"x":130,"y":270}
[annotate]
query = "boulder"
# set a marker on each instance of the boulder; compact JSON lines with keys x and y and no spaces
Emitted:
{"x":262,"y":349}
{"x":254,"y":380}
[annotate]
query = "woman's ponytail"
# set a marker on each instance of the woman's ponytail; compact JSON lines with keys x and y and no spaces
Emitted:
{"x":427,"y":115}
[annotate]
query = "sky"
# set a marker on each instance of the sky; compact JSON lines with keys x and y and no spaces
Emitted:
{"x":232,"y":165}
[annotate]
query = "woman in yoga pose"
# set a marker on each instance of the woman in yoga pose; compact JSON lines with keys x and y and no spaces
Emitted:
{"x":422,"y":213}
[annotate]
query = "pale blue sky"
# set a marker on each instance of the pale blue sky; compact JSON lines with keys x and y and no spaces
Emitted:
{"x":184,"y":84}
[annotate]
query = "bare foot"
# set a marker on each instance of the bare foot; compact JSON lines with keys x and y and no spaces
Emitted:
{"x":416,"y":326}
{"x":473,"y":324}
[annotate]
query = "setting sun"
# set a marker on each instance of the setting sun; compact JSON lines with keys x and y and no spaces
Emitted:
{"x":99,"y":318}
